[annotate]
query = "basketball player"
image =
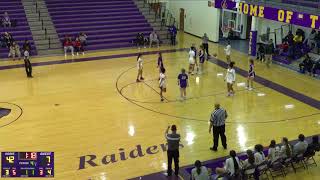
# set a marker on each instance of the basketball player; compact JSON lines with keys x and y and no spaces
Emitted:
{"x":160,"y":61}
{"x":251,"y":75}
{"x":183,"y":83}
{"x":230,"y":78}
{"x":140,"y":68}
{"x":201,"y":59}
{"x":27,"y":64}
{"x":192,"y":60}
{"x":228,"y":52}
{"x":196,"y":66}
{"x":162,"y":82}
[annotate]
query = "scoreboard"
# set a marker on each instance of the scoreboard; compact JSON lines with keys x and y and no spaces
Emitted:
{"x":27,"y":164}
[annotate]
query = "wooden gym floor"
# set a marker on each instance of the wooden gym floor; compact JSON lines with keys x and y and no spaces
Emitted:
{"x":91,"y":105}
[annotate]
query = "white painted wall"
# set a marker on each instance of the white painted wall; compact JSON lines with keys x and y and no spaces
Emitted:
{"x":199,"y":18}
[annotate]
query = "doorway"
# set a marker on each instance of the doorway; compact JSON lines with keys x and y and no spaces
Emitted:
{"x":181,"y":27}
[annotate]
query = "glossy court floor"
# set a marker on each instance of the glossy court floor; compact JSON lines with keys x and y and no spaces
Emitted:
{"x":91,"y":105}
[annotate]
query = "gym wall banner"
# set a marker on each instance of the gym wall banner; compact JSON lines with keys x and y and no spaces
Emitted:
{"x":253,"y":43}
{"x":275,"y":14}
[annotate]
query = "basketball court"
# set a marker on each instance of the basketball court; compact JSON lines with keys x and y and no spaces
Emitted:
{"x":90,"y":107}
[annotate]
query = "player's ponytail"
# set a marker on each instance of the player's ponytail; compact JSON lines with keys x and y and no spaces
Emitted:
{"x":197,"y":164}
{"x":139,"y":55}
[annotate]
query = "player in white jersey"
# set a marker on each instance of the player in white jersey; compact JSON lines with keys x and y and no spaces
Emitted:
{"x":192,"y":60}
{"x":230,"y":78}
{"x":228,"y":52}
{"x":162,"y":82}
{"x":140,"y":68}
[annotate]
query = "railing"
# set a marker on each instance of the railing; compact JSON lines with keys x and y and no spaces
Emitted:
{"x":160,"y":12}
{"x":40,"y":19}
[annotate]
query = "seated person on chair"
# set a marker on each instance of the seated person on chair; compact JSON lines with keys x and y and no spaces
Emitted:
{"x":306,"y":64}
{"x":286,"y":150}
{"x":301,"y":146}
{"x":153,"y":38}
{"x":316,"y":68}
{"x":6,"y":22}
{"x":313,"y":146}
{"x":8,"y":39}
{"x":83,"y":39}
{"x":139,"y":41}
{"x":259,"y":155}
{"x":311,"y":39}
{"x":14,"y":51}
{"x":231,"y":167}
{"x":68,"y":45}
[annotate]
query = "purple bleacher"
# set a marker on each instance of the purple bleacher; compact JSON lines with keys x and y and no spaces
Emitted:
{"x":108,"y":24}
{"x":22,"y":31}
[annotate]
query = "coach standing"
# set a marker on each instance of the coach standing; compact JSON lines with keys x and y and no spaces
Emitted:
{"x":173,"y":140}
{"x":217,"y":124}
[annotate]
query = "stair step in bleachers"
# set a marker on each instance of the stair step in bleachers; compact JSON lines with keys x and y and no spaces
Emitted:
{"x":22,"y":31}
{"x":108,"y":24}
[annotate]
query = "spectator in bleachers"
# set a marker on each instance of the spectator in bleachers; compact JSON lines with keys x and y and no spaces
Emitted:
{"x":199,"y":172}
{"x":273,"y":152}
{"x":289,"y":38}
{"x":15,"y":51}
{"x":231,"y":167}
{"x":68,"y":45}
{"x":6,"y":22}
{"x":153,"y":38}
{"x":78,"y":46}
{"x":317,"y":38}
{"x":140,"y":40}
{"x":306,"y":65}
{"x":8,"y":39}
{"x":173,"y":34}
{"x":26,"y":46}
{"x":316,"y":67}
{"x":286,"y":150}
{"x":313,"y":146}
{"x":83,"y":38}
{"x":259,"y":156}
{"x":301,"y":146}
{"x":311,"y":39}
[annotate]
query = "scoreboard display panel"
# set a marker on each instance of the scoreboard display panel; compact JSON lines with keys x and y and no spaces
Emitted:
{"x":27,"y":164}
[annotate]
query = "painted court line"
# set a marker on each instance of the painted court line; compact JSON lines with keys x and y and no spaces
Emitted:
{"x":67,"y":61}
{"x":272,"y":85}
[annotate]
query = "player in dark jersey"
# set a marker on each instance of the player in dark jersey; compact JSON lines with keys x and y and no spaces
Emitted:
{"x":183,"y":83}
{"x":201,"y":59}
{"x":251,"y":75}
{"x":160,"y":62}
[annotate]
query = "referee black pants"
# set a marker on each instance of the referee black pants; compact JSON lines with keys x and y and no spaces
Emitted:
{"x":219,"y":131}
{"x":206,"y":48}
{"x":28,"y":67}
{"x":175,"y":156}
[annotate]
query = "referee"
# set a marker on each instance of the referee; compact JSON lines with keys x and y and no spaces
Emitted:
{"x":173,"y":140}
{"x":217,"y":124}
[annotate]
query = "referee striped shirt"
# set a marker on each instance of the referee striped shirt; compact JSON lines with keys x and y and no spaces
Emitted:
{"x":218,"y":117}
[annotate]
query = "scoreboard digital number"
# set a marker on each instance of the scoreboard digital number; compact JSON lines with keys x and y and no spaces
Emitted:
{"x":27,"y":164}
